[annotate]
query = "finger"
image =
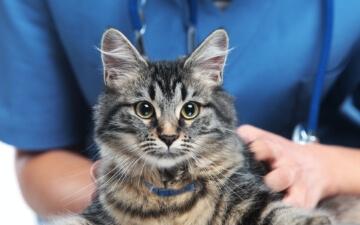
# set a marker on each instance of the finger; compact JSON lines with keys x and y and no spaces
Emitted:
{"x":250,"y":133}
{"x":293,"y":201}
{"x":93,"y":170}
{"x":263,"y":150}
{"x":299,"y":196}
{"x":295,"y":198}
{"x":280,"y":179}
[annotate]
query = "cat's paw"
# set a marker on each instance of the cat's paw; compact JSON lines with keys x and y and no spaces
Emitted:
{"x":69,"y":220}
{"x":316,"y":220}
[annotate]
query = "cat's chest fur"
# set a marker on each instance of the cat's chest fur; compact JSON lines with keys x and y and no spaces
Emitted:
{"x":200,"y":214}
{"x":139,"y":206}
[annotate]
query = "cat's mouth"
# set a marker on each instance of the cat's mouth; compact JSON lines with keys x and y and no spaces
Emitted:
{"x":168,"y":154}
{"x":165,"y":158}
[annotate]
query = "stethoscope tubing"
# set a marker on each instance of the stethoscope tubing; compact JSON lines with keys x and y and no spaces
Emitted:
{"x":313,"y":114}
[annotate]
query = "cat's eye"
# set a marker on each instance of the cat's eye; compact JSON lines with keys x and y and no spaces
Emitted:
{"x":190,"y":110}
{"x":144,"y":110}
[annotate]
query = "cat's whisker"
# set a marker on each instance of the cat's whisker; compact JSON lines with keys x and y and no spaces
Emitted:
{"x":233,"y":172}
{"x":123,"y":171}
{"x":141,"y":172}
{"x":126,"y":172}
{"x":87,"y":187}
{"x":220,"y":172}
{"x":77,"y":192}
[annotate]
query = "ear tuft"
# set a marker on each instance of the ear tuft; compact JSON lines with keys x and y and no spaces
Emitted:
{"x":208,"y":60}
{"x":121,"y":60}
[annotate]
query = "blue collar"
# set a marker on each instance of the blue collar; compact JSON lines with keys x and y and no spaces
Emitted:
{"x":168,"y":192}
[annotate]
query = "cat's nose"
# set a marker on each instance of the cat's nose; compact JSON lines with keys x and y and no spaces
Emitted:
{"x":168,"y":139}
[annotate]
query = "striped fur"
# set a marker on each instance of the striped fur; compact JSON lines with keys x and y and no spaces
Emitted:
{"x":229,"y":186}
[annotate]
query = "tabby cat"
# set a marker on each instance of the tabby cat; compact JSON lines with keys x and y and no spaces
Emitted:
{"x":170,"y":155}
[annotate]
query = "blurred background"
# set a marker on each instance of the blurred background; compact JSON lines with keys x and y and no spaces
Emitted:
{"x":13,"y":209}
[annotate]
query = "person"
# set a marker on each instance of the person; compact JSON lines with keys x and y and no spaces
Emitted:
{"x":51,"y":76}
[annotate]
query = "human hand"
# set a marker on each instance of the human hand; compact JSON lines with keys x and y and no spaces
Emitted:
{"x":94,"y":170}
{"x":302,"y":171}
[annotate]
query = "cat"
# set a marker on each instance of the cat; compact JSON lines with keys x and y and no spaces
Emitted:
{"x":170,"y":155}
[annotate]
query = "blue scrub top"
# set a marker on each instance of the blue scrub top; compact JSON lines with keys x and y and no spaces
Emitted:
{"x":51,"y":73}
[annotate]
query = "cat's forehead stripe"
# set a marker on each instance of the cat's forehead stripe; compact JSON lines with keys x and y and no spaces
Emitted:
{"x":183,"y":92}
{"x":151,"y":91}
{"x":163,"y":88}
{"x":175,"y":82}
{"x":167,"y":76}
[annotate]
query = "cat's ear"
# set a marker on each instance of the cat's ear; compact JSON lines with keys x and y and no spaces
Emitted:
{"x":120,"y":58}
{"x":208,"y":60}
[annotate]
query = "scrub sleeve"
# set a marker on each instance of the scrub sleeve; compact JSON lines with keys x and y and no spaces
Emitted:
{"x":41,"y":106}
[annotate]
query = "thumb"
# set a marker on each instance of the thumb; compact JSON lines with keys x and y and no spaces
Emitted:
{"x":93,"y":170}
{"x":250,"y":133}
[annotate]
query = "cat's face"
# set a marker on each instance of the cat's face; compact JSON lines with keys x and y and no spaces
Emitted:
{"x":162,"y":113}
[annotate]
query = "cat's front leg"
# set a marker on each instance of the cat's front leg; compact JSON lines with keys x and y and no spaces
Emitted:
{"x":279,"y":214}
{"x":70,"y":220}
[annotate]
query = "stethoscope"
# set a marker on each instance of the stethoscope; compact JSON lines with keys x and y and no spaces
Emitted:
{"x":136,"y":11}
{"x":303,"y":133}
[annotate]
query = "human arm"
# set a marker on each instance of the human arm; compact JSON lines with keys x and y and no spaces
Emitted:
{"x":41,"y":105}
{"x":55,"y":181}
{"x":308,"y":173}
